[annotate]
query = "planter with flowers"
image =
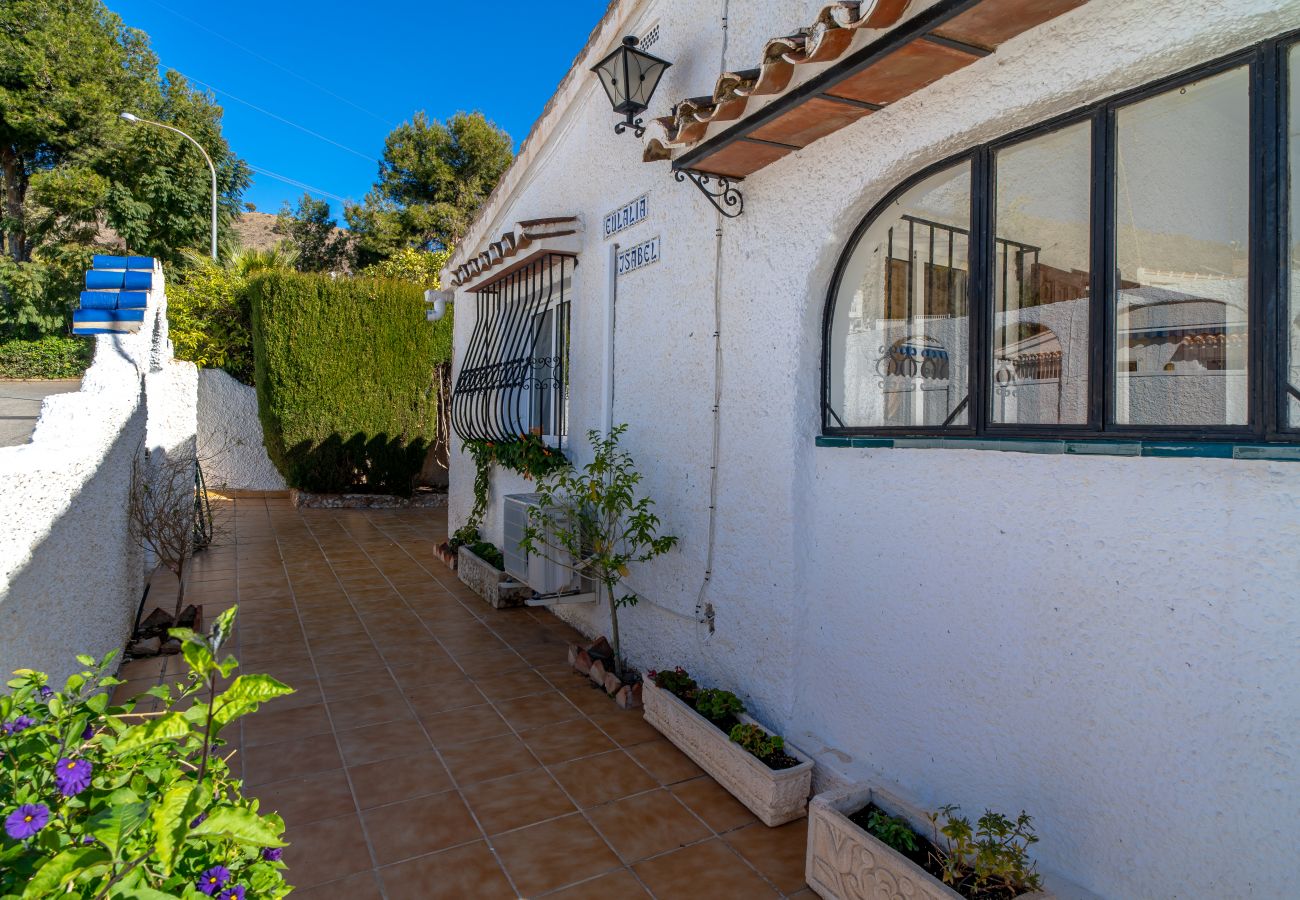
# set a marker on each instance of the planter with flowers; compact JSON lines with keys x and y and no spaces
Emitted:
{"x":864,"y":842}
{"x":102,"y":801}
{"x":772,"y":778}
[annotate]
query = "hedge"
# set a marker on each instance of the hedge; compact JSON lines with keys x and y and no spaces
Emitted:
{"x":345,"y":380}
{"x":208,"y":319}
{"x":55,"y":356}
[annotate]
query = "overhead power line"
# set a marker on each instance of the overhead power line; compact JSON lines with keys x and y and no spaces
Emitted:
{"x":306,"y":187}
{"x":278,"y":118}
{"x":271,"y":62}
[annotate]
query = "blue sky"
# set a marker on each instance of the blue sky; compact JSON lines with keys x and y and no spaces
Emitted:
{"x":350,"y":72}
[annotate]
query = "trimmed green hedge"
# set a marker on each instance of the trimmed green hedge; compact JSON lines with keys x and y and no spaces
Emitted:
{"x":55,"y":356}
{"x":345,"y":380}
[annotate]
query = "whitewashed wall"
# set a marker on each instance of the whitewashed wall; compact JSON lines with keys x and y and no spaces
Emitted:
{"x":1108,"y":643}
{"x":230,"y":444}
{"x":70,"y":574}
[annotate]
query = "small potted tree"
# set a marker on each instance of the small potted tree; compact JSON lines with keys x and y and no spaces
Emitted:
{"x":592,"y":522}
{"x":864,"y":842}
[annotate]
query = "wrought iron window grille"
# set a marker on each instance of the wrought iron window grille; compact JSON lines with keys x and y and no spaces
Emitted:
{"x":515,"y":376}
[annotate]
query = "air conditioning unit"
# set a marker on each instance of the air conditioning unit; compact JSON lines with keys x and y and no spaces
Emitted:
{"x":552,"y":579}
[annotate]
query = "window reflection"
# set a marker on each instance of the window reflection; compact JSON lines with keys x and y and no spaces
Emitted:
{"x":901,"y":328}
{"x":1182,"y":191}
{"x":1040,"y":284}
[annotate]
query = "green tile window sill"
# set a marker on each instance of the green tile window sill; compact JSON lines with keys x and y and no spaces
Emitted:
{"x":1214,"y":450}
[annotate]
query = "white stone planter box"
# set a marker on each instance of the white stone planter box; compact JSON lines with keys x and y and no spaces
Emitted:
{"x":776,"y":796}
{"x":489,"y":582}
{"x":844,"y":862}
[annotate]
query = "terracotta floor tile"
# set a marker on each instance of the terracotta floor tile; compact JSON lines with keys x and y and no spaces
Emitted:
{"x":553,"y":854}
{"x":493,"y":662}
{"x":619,"y":884}
{"x":305,"y":693}
{"x":456,"y":874}
{"x":374,"y":709}
{"x":504,"y":804}
{"x":590,"y":699}
{"x":463,"y":726}
{"x":776,"y":852}
{"x":711,"y":802}
{"x":707,"y":871}
{"x":537,"y":711}
{"x":665,"y":762}
{"x":386,"y":741}
{"x":452,"y":692}
{"x":626,"y":726}
{"x":302,"y":800}
{"x":324,"y":851}
{"x":290,"y":759}
{"x":568,"y":740}
{"x":356,"y":684}
{"x":392,"y":780}
{"x":418,"y":826}
{"x":599,"y":779}
{"x":647,"y":824}
{"x":493,"y":758}
{"x":512,"y":684}
{"x":362,"y":886}
{"x":275,"y":725}
{"x":358,"y":659}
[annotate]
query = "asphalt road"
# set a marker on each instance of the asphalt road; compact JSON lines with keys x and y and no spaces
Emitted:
{"x":20,"y":405}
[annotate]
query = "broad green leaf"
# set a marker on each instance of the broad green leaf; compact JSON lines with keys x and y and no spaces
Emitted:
{"x":141,"y":892}
{"x":55,"y":705}
{"x":164,"y":728}
{"x":244,"y":695}
{"x":171,"y":820}
{"x":116,"y":823}
{"x":222,"y":628}
{"x":198,"y":657}
{"x":240,"y":825}
{"x":51,"y":877}
{"x":85,"y":660}
{"x":98,"y":703}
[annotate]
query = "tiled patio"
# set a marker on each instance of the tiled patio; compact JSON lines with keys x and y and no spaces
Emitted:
{"x":439,"y":748}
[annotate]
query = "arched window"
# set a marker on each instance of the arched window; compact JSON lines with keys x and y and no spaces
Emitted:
{"x":1106,"y":274}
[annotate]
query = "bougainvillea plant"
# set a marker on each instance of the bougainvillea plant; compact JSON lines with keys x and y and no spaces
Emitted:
{"x":102,"y":801}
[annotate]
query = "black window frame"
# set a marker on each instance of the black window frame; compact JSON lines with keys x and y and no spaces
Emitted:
{"x":1268,"y":179}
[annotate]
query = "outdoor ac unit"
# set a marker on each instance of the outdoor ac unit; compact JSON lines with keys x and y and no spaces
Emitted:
{"x":543,"y":575}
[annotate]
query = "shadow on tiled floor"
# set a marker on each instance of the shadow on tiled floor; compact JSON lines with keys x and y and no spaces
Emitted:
{"x":436,"y":747}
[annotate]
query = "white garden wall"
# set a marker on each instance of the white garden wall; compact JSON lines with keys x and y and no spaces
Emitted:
{"x":230,"y":444}
{"x":70,"y":574}
{"x":1106,"y":642}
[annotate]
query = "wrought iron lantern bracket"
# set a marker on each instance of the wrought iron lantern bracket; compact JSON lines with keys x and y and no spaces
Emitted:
{"x":720,"y":191}
{"x":637,"y":126}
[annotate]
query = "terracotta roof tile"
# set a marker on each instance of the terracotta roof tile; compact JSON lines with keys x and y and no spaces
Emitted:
{"x":512,"y":246}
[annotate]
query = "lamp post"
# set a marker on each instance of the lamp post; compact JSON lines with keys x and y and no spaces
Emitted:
{"x":629,"y":77}
{"x":129,"y":117}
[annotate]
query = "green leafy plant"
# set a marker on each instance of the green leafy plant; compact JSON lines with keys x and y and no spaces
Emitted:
{"x":992,"y":855}
{"x":757,"y":741}
{"x":489,"y":553}
{"x":103,"y":801}
{"x":592,"y":522}
{"x":677,"y":682}
{"x":54,"y":356}
{"x":892,"y":831}
{"x":717,"y":704}
{"x":346,"y":386}
{"x":529,"y":456}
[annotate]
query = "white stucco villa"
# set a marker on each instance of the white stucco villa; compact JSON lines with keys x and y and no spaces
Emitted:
{"x":979,"y":425}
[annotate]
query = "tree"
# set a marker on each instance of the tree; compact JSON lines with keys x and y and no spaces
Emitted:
{"x":69,"y":166}
{"x":313,"y":235}
{"x":432,"y":180}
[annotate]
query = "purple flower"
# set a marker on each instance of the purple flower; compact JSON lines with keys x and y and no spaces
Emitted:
{"x":72,"y":776}
{"x":88,"y":733}
{"x":46,"y":692}
{"x":272,"y":854}
{"x":234,"y":892}
{"x":88,"y":839}
{"x":198,"y":820}
{"x":26,"y":820}
{"x":212,"y":880}
{"x":22,"y":723}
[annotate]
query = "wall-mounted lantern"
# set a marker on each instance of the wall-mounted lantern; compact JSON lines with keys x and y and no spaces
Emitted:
{"x":629,"y":77}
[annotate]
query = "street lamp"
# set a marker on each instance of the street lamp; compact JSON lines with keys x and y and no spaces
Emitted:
{"x":130,"y":117}
{"x":629,"y":76}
